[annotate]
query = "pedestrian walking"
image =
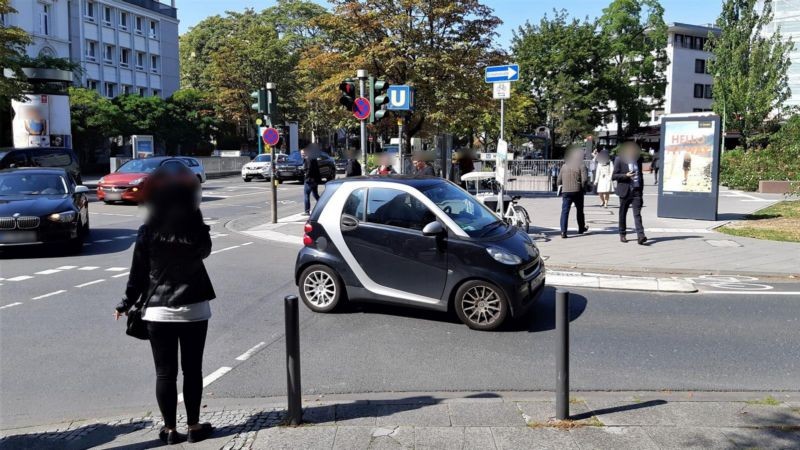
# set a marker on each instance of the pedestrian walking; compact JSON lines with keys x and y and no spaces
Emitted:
{"x":353,"y":168}
{"x":602,"y":181}
{"x":628,"y":175}
{"x":169,"y":283}
{"x":312,"y":178}
{"x":654,"y":166}
{"x":573,"y":180}
{"x":421,"y":166}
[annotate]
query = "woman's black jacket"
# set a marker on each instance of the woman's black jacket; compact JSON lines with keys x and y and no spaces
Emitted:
{"x":170,"y":274}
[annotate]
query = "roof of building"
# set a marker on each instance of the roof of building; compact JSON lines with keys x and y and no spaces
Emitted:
{"x":678,"y":27}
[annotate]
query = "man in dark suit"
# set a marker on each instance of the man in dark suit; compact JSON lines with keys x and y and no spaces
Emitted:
{"x":630,"y":186}
{"x":312,"y":177}
{"x":353,"y":168}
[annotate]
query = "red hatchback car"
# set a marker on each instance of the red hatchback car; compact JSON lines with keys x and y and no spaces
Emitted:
{"x":127,"y":184}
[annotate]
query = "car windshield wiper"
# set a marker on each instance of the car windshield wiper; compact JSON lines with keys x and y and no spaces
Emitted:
{"x":491,"y":227}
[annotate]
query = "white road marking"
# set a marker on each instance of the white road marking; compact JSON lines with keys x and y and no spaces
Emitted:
{"x":246,"y":355}
{"x":66,"y":267}
{"x":224,"y":249}
{"x":210,"y":379}
{"x":50,"y":294}
{"x":10,"y":305}
{"x":20,"y":278}
{"x":89,"y":268}
{"x":246,"y":243}
{"x":116,"y":269}
{"x":48,"y":272}
{"x":90,"y":283}
{"x":753,"y":293}
{"x":120,"y":275}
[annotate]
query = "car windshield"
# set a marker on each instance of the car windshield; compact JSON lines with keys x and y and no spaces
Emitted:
{"x":469,"y":214}
{"x":263,"y":158}
{"x":32,"y":184}
{"x":191,"y":162}
{"x":139,"y":166}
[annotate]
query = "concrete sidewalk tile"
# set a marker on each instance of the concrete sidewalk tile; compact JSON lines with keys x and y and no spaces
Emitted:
{"x":766,"y":415}
{"x":617,"y":438}
{"x":303,"y":437}
{"x":763,"y":438}
{"x":413,"y":415}
{"x":542,"y":412}
{"x":352,"y":437}
{"x":646,"y":413}
{"x":482,"y":414}
{"x":708,"y":414}
{"x":356,"y":414}
{"x":689,"y":438}
{"x":514,"y":438}
{"x":390,"y":438}
{"x":319,"y":414}
{"x":444,"y":438}
{"x":478,"y":438}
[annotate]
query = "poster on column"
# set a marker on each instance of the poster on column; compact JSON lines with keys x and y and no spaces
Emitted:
{"x":31,"y":121}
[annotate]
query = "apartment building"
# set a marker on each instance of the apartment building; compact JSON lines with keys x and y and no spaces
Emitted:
{"x":786,"y":17}
{"x":123,"y":46}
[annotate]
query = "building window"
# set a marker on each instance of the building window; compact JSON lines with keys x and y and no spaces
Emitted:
{"x":123,"y":20}
{"x":154,"y":63}
{"x":91,"y":50}
{"x":108,"y":54}
{"x":124,"y":57}
{"x":110,"y":87}
{"x":89,"y":14}
{"x":141,"y":91}
{"x":678,"y":40}
{"x":156,"y":93}
{"x":140,"y":60}
{"x":698,"y":91}
{"x":91,"y":84}
{"x":699,"y":66}
{"x":708,"y":92}
{"x":139,"y":25}
{"x":3,"y":19}
{"x":107,"y":15}
{"x":44,"y":19}
{"x":153,"y":30}
{"x":126,"y":89}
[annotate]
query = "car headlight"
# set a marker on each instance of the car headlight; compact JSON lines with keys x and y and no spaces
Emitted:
{"x":503,"y":256}
{"x":137,"y":181}
{"x":62,"y":217}
{"x":265,"y":168}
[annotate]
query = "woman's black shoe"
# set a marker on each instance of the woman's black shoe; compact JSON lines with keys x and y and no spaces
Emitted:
{"x":583,"y":230}
{"x":563,"y":235}
{"x":201,"y":433}
{"x":171,"y":437}
{"x":622,"y":238}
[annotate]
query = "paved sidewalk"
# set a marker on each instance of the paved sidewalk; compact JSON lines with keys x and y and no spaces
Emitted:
{"x":606,"y":420}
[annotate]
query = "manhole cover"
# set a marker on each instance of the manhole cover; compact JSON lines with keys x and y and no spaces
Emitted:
{"x":722,"y":243}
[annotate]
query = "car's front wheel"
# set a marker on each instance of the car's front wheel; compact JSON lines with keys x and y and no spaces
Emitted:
{"x":320,"y":288}
{"x":481,"y":305}
{"x":247,"y":179}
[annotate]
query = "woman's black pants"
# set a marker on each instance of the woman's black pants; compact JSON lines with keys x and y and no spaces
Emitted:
{"x":165,"y":338}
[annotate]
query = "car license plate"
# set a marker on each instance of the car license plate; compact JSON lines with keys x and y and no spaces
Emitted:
{"x":534,"y":283}
{"x":113,"y":195}
{"x":17,"y":237}
{"x":287,"y":174}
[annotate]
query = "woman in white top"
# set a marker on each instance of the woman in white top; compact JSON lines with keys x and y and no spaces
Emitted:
{"x":602,"y":178}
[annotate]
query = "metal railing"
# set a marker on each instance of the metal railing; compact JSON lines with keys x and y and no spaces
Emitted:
{"x":534,"y":175}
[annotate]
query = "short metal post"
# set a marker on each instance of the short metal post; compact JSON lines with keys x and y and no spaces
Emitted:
{"x":562,"y":354}
{"x":295,"y":407}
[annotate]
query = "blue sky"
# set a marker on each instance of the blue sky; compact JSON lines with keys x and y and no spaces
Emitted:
{"x":513,"y":12}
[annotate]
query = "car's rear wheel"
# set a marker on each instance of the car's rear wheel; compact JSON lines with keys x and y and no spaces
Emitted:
{"x":320,"y":288}
{"x":247,"y":179}
{"x":481,"y":305}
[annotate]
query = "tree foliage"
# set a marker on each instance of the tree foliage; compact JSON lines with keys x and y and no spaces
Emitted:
{"x":12,"y":49}
{"x":749,"y":69}
{"x":635,"y":38}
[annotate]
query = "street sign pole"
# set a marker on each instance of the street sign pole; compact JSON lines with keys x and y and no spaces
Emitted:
{"x":273,"y":182}
{"x":362,"y":78}
{"x":401,"y":121}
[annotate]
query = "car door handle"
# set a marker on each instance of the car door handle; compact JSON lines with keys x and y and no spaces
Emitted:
{"x":348,"y":222}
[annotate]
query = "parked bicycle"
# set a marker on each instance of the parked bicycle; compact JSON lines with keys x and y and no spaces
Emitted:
{"x":486,"y":189}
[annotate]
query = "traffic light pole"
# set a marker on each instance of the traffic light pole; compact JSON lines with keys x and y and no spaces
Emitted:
{"x":362,"y":86}
{"x":273,"y":186}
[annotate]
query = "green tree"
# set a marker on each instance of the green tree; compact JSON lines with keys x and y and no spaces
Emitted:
{"x":192,"y":123}
{"x":12,"y":50}
{"x":749,"y":69}
{"x":635,"y":40}
{"x":94,"y":120}
{"x":562,"y":65}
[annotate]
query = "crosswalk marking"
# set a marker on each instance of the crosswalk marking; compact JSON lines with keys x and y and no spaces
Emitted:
{"x":89,"y":268}
{"x":66,"y":267}
{"x":49,"y":294}
{"x":10,"y":305}
{"x":89,"y":283}
{"x":116,"y":269}
{"x":20,"y":278}
{"x":48,"y":272}
{"x":119,"y":275}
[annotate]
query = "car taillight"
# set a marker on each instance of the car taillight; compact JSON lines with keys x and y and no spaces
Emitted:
{"x":308,"y":228}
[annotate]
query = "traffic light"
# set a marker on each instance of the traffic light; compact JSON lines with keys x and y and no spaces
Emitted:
{"x":378,"y":98}
{"x":348,"y":89}
{"x":260,"y":98}
{"x":272,"y":104}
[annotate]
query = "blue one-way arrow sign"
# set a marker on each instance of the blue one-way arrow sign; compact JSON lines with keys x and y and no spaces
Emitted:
{"x":498,"y":74}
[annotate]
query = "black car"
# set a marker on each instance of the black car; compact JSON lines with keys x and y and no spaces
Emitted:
{"x":341,"y":165}
{"x":416,"y":241}
{"x":41,"y":157}
{"x":40,"y":206}
{"x":291,"y":168}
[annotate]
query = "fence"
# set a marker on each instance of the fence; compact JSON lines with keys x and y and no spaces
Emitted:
{"x":534,"y":175}
{"x":213,"y":165}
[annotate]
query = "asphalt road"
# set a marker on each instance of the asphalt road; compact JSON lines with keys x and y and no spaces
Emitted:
{"x":63,"y":357}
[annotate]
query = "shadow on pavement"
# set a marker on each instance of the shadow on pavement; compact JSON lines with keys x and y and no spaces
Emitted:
{"x":615,"y":409}
{"x":542,"y":316}
{"x":88,"y":436}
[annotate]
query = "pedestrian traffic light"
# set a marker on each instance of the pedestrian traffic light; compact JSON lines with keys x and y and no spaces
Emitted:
{"x":272,"y":104}
{"x":378,"y":98}
{"x":260,"y":97}
{"x":348,"y":89}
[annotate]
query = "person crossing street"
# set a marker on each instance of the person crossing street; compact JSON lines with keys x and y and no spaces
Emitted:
{"x":312,"y":178}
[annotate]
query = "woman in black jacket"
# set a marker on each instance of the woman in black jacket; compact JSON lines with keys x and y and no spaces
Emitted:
{"x":168,"y":276}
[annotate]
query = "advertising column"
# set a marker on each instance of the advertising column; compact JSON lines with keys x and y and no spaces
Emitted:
{"x":42,"y":118}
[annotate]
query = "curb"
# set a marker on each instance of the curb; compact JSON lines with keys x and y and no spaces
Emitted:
{"x":618,"y":282}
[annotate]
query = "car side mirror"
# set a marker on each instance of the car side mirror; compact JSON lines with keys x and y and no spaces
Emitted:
{"x":434,"y":228}
{"x":80,"y":189}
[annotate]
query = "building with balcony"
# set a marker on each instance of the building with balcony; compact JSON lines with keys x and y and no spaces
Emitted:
{"x":123,"y":46}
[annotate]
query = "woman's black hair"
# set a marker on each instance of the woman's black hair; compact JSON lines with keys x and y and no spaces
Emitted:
{"x":173,"y":206}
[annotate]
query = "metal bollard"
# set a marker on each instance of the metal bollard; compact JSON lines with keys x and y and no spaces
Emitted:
{"x":562,"y":354}
{"x":295,"y":407}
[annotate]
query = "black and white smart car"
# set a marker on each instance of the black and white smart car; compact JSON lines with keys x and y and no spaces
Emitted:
{"x":416,"y":241}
